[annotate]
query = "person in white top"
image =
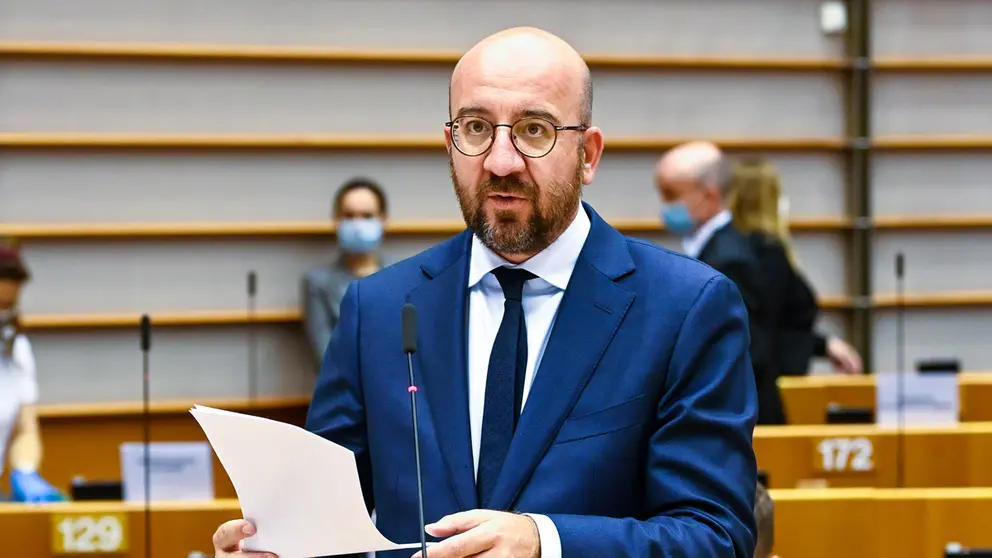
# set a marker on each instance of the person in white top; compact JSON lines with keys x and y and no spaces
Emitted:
{"x":20,"y":437}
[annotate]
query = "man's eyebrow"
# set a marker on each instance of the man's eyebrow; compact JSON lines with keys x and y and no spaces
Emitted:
{"x":472,"y":109}
{"x":527,"y":113}
{"x":541,"y":113}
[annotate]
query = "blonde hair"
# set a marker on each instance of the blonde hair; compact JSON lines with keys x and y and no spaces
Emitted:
{"x":755,"y":191}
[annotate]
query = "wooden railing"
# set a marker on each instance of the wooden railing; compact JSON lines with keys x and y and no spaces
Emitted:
{"x":234,"y":229}
{"x":325,"y":55}
{"x":276,"y":316}
{"x":410,"y":142}
{"x":131,"y":231}
{"x":336,"y":55}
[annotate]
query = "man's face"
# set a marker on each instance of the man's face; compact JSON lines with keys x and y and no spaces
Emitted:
{"x":9,"y":293}
{"x":518,"y":204}
{"x":687,"y":192}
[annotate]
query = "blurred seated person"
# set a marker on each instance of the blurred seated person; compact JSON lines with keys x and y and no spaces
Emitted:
{"x":761,"y":211}
{"x":20,"y":435}
{"x":359,"y":215}
{"x":764,"y":515}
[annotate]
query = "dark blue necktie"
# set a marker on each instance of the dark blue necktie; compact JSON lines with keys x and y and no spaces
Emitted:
{"x":504,"y":383}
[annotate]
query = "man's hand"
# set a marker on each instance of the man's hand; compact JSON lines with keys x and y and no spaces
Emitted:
{"x":844,"y":357}
{"x":484,"y":533}
{"x":229,"y":537}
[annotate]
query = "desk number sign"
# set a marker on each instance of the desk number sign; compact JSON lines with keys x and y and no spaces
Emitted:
{"x":89,"y":533}
{"x":845,"y":455}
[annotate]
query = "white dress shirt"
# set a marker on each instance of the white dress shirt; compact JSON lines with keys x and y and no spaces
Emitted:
{"x":693,"y":244}
{"x":541,"y":297}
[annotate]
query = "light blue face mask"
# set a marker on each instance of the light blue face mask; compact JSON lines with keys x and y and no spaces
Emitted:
{"x":360,"y":236}
{"x":677,"y":219}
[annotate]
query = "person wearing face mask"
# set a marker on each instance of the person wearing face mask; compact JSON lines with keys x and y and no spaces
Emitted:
{"x":694,"y":180}
{"x":20,"y":437}
{"x":359,"y":216}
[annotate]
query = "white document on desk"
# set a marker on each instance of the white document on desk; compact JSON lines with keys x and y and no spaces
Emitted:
{"x":300,"y":491}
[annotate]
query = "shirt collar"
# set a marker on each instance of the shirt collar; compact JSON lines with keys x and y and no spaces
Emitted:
{"x":693,"y":244}
{"x":554,"y":264}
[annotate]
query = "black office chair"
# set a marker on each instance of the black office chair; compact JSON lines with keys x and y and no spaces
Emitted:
{"x":838,"y":414}
{"x":954,"y":550}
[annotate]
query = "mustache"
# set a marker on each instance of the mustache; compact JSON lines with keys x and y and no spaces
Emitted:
{"x":508,"y":185}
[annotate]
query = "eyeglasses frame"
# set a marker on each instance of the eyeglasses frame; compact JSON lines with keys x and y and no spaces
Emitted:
{"x":492,"y":138}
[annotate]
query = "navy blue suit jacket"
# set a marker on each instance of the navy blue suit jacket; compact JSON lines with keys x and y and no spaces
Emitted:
{"x":636,"y":437}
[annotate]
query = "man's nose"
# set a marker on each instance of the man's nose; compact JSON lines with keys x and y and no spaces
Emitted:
{"x":503,"y":158}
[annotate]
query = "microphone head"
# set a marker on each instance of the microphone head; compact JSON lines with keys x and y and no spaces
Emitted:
{"x":900,"y":265}
{"x":252,"y":283}
{"x":409,"y":328}
{"x":146,"y":332}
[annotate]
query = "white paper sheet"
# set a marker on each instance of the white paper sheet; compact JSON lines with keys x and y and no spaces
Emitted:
{"x":301,"y":491}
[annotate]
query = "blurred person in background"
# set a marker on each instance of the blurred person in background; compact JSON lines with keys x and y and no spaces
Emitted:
{"x":764,"y":515}
{"x":359,"y":216}
{"x":760,"y":211}
{"x":20,"y":435}
{"x":693,"y":180}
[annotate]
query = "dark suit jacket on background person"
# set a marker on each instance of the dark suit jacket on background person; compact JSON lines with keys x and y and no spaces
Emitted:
{"x":636,"y":436}
{"x":794,"y":310}
{"x":731,"y":253}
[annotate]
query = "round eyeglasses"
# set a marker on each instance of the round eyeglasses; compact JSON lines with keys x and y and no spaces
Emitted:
{"x":533,"y":137}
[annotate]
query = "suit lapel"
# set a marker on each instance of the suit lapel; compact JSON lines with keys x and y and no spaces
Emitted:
{"x":589,"y":315}
{"x":441,"y":316}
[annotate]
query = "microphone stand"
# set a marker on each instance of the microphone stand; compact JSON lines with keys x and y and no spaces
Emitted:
{"x":146,"y":333}
{"x":410,"y":347}
{"x":900,"y":369}
{"x":252,"y":340}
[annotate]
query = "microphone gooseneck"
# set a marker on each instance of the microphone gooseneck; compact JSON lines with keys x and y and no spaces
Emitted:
{"x":252,"y":339}
{"x":146,"y":345}
{"x":900,"y":369}
{"x":409,"y":334}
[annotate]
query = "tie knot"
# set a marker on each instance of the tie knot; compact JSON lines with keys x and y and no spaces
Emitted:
{"x":512,"y":281}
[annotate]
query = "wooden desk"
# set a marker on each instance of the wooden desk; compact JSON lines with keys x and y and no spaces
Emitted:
{"x":866,"y":455}
{"x":854,"y":523}
{"x":806,"y":397}
{"x":84,"y":440}
{"x":874,"y":523}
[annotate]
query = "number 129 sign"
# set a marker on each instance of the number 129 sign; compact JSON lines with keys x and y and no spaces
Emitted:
{"x":89,"y":533}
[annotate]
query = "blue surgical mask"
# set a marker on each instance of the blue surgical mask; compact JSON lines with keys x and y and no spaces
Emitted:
{"x":360,"y":236}
{"x":677,"y":219}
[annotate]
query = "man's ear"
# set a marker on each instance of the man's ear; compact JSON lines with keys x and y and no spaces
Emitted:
{"x":592,"y":152}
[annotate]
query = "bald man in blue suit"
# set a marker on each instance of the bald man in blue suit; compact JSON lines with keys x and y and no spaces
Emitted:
{"x":584,"y":394}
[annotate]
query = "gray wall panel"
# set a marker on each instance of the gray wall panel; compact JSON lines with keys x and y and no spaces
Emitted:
{"x":961,"y":333}
{"x":925,"y":27}
{"x":933,"y":104}
{"x":687,"y":26}
{"x":184,"y":187}
{"x":931,"y":183}
{"x":105,"y":365}
{"x":939,"y":261}
{"x":133,"y":97}
{"x":163,"y":276}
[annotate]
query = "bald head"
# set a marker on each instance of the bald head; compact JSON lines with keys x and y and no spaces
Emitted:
{"x":699,"y":162}
{"x":531,"y":59}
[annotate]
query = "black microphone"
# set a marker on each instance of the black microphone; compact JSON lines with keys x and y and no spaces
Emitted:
{"x":900,"y":367}
{"x":410,"y":347}
{"x":146,"y":345}
{"x":252,"y":341}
